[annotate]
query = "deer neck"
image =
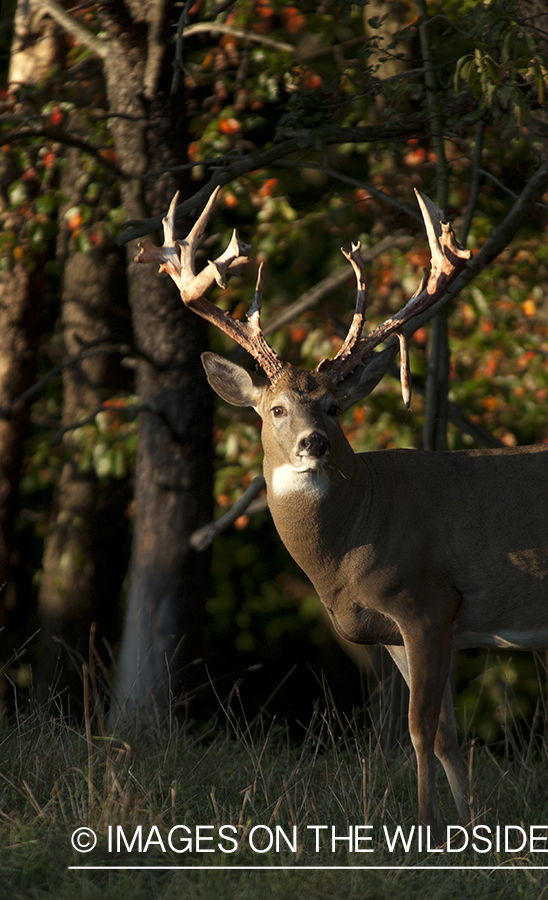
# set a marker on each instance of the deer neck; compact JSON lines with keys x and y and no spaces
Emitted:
{"x":316,"y":511}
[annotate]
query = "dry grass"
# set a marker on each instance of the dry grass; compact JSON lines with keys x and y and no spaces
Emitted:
{"x":154,"y":775}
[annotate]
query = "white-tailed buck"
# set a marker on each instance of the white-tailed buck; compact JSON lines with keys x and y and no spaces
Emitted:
{"x":422,"y":552}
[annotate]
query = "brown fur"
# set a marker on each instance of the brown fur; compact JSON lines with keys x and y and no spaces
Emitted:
{"x":422,"y":552}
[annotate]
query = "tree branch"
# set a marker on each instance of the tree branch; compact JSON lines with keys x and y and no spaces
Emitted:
{"x":219,"y":28}
{"x":204,"y":537}
{"x":474,"y":182}
{"x":131,"y":411}
{"x":60,"y":136}
{"x":178,"y":62}
{"x":355,"y":182}
{"x":87,"y":352}
{"x":83,"y":36}
{"x":301,"y":140}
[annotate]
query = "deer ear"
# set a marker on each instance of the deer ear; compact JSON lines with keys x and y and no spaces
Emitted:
{"x":366,"y":377}
{"x":232,"y":382}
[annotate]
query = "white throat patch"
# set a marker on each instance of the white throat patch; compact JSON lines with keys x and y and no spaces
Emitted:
{"x":287,"y":479}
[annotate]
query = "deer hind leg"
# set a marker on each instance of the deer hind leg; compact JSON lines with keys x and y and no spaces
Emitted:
{"x":448,"y":753}
{"x":426,"y":674}
{"x":446,"y":746}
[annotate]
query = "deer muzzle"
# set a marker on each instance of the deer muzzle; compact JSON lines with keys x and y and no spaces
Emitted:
{"x":313,"y":446}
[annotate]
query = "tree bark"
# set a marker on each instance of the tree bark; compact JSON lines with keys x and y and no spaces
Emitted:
{"x":33,"y":50}
{"x":20,"y":303}
{"x":85,"y":554}
{"x":167,"y":586}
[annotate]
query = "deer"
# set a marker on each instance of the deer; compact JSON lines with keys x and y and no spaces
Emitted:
{"x":423,"y":552}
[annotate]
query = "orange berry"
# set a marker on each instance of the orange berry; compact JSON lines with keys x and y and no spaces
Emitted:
{"x":74,"y":221}
{"x":56,"y":116}
{"x":229,"y":125}
{"x":294,"y":20}
{"x":268,"y":187}
{"x":362,"y":198}
{"x":230,"y":199}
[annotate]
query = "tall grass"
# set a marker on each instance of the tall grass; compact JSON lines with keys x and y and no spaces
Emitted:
{"x":153,"y":774}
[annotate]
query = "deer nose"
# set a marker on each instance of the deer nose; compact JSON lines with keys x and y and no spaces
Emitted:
{"x":313,"y":444}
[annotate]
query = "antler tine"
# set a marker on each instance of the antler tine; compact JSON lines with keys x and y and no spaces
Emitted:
{"x":254,"y":311}
{"x":448,"y":259}
{"x":405,"y":371}
{"x":177,"y":258}
{"x":345,"y":351}
{"x":192,"y":240}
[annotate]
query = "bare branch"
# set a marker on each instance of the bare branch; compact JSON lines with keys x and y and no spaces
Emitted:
{"x":131,"y":411}
{"x":204,"y":537}
{"x":474,"y":182}
{"x":87,"y":352}
{"x":432,"y":100}
{"x":355,"y":182}
{"x":136,"y":229}
{"x":178,"y":62}
{"x":220,"y":28}
{"x":83,"y":35}
{"x":61,"y":136}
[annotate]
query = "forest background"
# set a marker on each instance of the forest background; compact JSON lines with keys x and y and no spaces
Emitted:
{"x":318,"y":119}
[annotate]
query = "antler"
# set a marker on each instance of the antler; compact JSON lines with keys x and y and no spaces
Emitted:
{"x":177,"y":258}
{"x":448,"y":259}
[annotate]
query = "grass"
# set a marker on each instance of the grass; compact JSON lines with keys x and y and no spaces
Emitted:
{"x":151,"y":777}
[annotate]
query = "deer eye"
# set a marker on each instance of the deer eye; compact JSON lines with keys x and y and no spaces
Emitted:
{"x":333,"y":410}
{"x":278,"y":411}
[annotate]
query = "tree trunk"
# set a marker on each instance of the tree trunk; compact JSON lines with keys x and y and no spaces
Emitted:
{"x":21,"y":293}
{"x":33,"y":50}
{"x":86,"y":551}
{"x":167,"y":585}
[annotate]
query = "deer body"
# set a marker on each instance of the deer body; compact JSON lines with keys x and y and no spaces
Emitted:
{"x":422,"y":552}
{"x":399,"y":537}
{"x":371,"y":529}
